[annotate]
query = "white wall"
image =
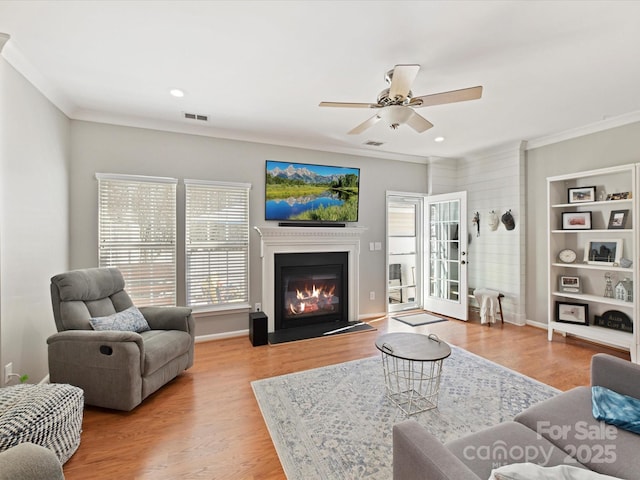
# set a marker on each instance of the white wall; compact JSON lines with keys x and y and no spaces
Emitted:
{"x":444,"y":176}
{"x":496,"y":259}
{"x":616,"y":146}
{"x":495,"y":182}
{"x":115,"y":149}
{"x":34,"y":235}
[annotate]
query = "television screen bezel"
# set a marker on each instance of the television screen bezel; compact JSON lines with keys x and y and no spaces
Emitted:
{"x":284,"y":165}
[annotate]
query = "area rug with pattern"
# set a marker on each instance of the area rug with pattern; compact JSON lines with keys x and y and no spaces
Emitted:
{"x":336,"y":422}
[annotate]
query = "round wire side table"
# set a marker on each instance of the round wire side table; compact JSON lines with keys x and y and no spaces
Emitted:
{"x":412,"y":365}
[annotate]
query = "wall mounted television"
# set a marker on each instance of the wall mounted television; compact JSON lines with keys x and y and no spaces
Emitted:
{"x":304,"y":193}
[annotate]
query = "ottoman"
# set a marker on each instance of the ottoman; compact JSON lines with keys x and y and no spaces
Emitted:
{"x":49,"y":415}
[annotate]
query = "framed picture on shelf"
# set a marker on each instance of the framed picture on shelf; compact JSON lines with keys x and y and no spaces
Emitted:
{"x":576,"y":220}
{"x":619,"y":196}
{"x":577,"y":313}
{"x":603,"y":252}
{"x":582,"y":194}
{"x":567,"y":284}
{"x":618,"y":219}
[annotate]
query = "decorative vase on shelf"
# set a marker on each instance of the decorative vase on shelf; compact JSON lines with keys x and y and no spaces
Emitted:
{"x":602,"y":196}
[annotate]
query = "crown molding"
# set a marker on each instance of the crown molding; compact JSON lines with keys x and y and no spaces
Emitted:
{"x":505,"y":149}
{"x":596,"y":127}
{"x":4,"y":38}
{"x":18,"y":61}
{"x":208,"y":131}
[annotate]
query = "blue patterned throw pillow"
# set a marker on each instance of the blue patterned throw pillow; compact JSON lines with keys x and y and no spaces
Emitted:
{"x":129,"y":320}
{"x":617,"y":409}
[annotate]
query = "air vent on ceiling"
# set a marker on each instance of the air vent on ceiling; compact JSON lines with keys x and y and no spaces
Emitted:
{"x":196,"y":116}
{"x":373,"y":143}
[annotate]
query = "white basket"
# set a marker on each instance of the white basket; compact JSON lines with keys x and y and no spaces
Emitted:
{"x":412,"y":385}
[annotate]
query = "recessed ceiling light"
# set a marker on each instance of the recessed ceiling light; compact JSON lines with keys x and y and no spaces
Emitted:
{"x":438,"y":139}
{"x":176,"y":92}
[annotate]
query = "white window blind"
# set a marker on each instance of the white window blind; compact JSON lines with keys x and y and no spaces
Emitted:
{"x":217,"y":243}
{"x":137,"y":234}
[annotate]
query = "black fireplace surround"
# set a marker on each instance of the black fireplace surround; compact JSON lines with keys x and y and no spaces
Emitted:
{"x":310,"y":289}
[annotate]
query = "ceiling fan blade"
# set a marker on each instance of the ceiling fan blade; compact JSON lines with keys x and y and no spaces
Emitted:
{"x":348,"y":105}
{"x":364,"y":125}
{"x":453,"y":96}
{"x":401,"y":80}
{"x":419,"y":123}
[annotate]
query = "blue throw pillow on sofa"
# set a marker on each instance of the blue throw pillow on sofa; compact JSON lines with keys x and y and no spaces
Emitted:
{"x":617,"y":409}
{"x":129,"y":320}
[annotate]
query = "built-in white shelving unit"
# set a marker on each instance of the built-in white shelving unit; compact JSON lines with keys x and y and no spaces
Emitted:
{"x":580,"y":218}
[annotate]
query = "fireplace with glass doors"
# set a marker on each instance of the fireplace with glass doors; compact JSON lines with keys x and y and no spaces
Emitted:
{"x":310,"y":289}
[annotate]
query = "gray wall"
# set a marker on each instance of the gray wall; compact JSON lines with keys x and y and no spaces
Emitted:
{"x":114,"y":149}
{"x":34,"y":144}
{"x":617,"y":146}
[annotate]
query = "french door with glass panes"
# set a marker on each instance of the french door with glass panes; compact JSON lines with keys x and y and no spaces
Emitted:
{"x":446,"y":266}
{"x":404,"y":251}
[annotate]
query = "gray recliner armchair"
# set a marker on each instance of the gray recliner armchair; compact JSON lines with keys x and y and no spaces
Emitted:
{"x":116,"y":369}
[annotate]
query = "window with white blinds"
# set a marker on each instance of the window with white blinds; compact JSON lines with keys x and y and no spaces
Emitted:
{"x":137,"y":234}
{"x":217,"y":243}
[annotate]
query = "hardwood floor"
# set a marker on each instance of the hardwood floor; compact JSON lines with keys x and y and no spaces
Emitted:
{"x":206,"y":423}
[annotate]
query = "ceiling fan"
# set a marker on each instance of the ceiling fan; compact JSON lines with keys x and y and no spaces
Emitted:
{"x":396,"y":104}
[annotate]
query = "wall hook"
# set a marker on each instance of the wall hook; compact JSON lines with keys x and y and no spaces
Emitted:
{"x":476,"y":220}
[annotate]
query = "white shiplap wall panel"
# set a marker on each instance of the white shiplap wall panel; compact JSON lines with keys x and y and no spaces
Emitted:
{"x":496,"y":258}
{"x":443,"y":176}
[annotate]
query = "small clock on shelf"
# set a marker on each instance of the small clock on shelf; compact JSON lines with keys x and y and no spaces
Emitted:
{"x":567,"y":256}
{"x":568,"y":284}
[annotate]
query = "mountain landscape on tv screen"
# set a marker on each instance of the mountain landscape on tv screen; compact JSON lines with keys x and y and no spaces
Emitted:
{"x":311,"y":192}
{"x":302,"y":173}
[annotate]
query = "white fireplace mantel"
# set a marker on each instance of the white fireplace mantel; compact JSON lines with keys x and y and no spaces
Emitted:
{"x":275,"y":240}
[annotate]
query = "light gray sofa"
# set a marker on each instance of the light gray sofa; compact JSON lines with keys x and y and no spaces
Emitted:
{"x":557,"y":431}
{"x":28,"y":461}
{"x":116,"y":369}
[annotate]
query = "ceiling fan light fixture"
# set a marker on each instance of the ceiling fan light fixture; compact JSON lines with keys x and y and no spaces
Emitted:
{"x":395,"y":105}
{"x":395,"y":115}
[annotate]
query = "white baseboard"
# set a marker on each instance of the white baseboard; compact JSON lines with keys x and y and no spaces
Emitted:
{"x":220,"y":336}
{"x":533,"y":323}
{"x":245,"y":333}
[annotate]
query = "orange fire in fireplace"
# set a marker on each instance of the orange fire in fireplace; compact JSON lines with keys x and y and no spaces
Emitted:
{"x":313,"y":300}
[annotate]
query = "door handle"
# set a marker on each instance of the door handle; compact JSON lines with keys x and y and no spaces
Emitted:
{"x":463,"y":262}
